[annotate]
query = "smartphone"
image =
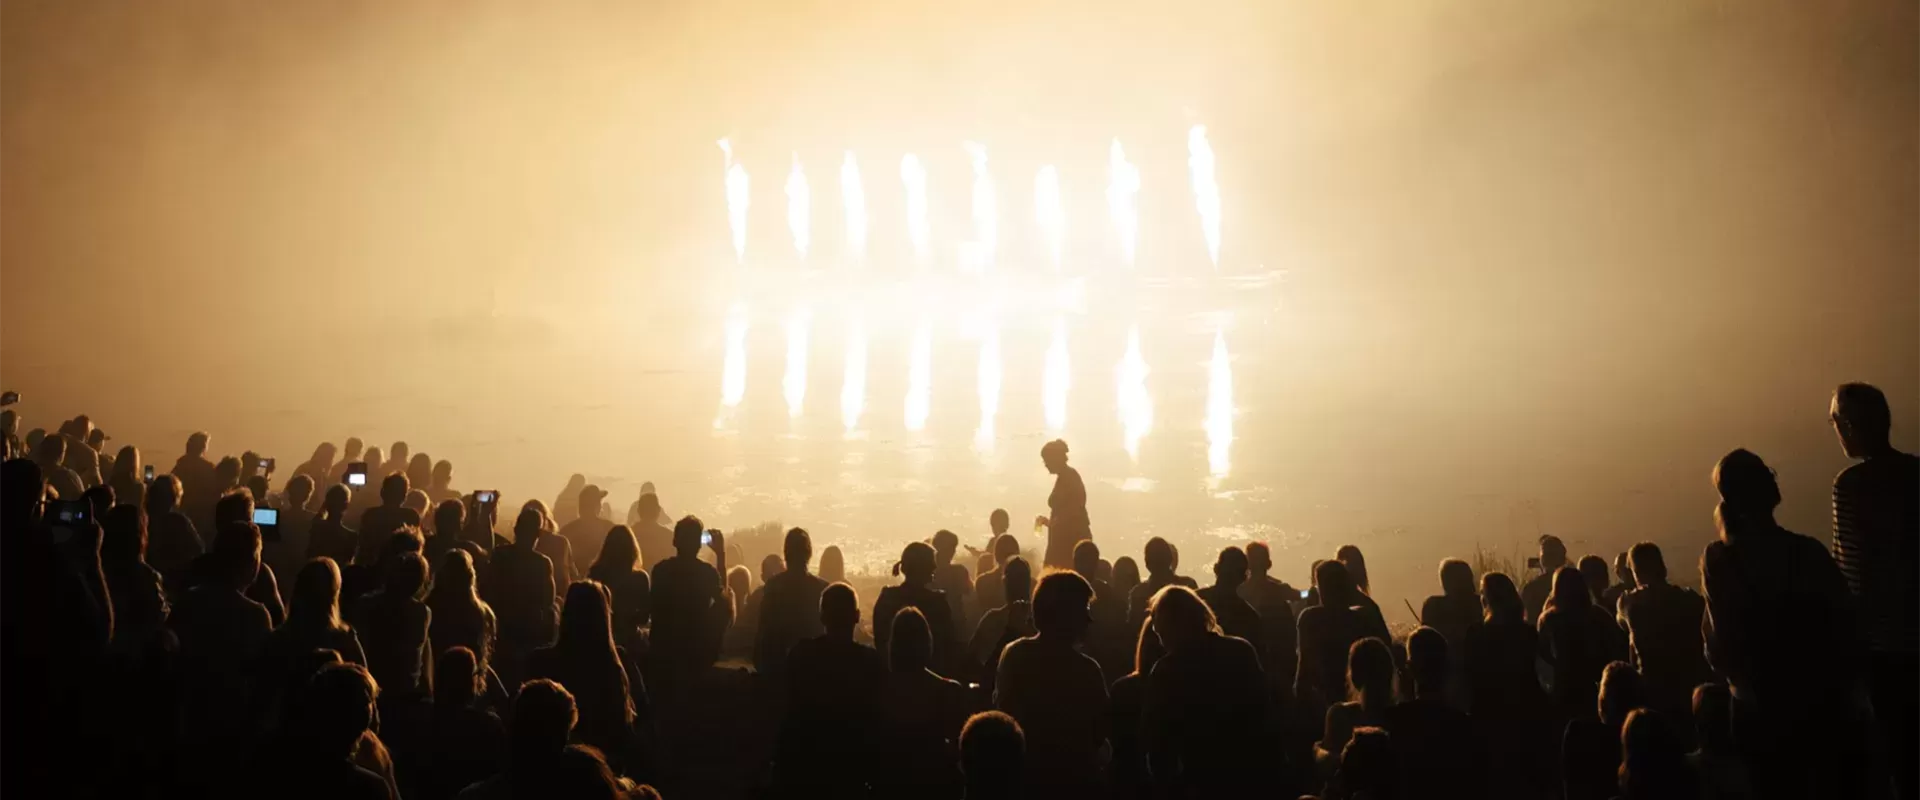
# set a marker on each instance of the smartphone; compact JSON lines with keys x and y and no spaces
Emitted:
{"x":706,"y":539}
{"x":268,"y":521}
{"x":147,"y":474}
{"x":1304,"y":593}
{"x":266,"y":466}
{"x":486,"y":497}
{"x":1533,"y":563}
{"x":70,"y":512}
{"x":357,"y":473}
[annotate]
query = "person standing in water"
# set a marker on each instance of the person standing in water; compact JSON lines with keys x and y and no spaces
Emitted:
{"x":1067,"y":521}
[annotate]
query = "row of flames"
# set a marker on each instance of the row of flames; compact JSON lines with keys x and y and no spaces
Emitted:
{"x":1123,"y":186}
{"x":1134,"y":401}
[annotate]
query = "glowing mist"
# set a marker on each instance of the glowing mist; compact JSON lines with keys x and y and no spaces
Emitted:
{"x":799,"y":209}
{"x":987,"y":375}
{"x":914,"y":177}
{"x":793,"y":384}
{"x":1123,"y":184}
{"x":1058,"y":380}
{"x":986,"y":207}
{"x":1136,"y":406}
{"x":1050,"y":212}
{"x":738,"y":198}
{"x":853,"y":386}
{"x":1206,"y":191}
{"x":1219,"y":422}
{"x":853,"y":202}
{"x":733,"y":372}
{"x":920,"y":378}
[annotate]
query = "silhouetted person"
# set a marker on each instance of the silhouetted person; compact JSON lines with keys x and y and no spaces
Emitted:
{"x":1067,"y":522}
{"x":920,"y":714}
{"x":543,"y":716}
{"x":440,"y":482}
{"x":1436,"y":745}
{"x":566,"y":505}
{"x":1327,"y":632}
{"x":656,"y":540}
{"x":420,"y":473}
{"x":1000,"y":626}
{"x":196,"y":476}
{"x":1504,"y":689}
{"x":349,"y":455}
{"x":393,"y":627}
{"x":989,"y":587}
{"x":833,"y":693}
{"x":1159,"y":562}
{"x":296,"y":529}
{"x":314,"y":758}
{"x":915,"y":570}
{"x":1057,"y":693}
{"x":519,"y":586}
{"x":587,"y":531}
{"x":747,"y":622}
{"x":1452,"y":613}
{"x":1126,"y":702}
{"x":449,"y":526}
{"x":789,"y":609}
{"x":459,"y":617}
{"x":1368,"y":767}
{"x":1205,"y":704}
{"x":1779,"y":630}
{"x":379,"y":523}
{"x":1577,"y":639}
{"x":1108,"y":640}
{"x":1590,"y":750}
{"x":51,"y":456}
{"x":129,"y":485}
{"x":618,"y":569}
{"x":1236,"y":616}
{"x":1876,"y":544}
{"x":135,"y":589}
{"x":319,"y":467}
{"x":329,"y":537}
{"x":1126,"y":575}
{"x":952,"y":578}
{"x":1370,"y":685}
{"x":1623,"y":581}
{"x":992,"y":756}
{"x":1663,"y":631}
{"x":1275,"y":600}
{"x":313,"y":623}
{"x":585,"y":659}
{"x":1653,"y":760}
{"x":1716,"y":761}
{"x":833,"y":565}
{"x":1533,"y":596}
{"x":559,"y":552}
{"x":221,"y":632}
{"x":1593,"y":569}
{"x":690,"y":606}
{"x":463,"y":743}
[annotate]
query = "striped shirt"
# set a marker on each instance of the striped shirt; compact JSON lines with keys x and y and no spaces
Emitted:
{"x":1876,"y":544}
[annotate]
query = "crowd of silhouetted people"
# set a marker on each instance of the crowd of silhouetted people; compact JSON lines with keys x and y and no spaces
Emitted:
{"x":355,"y":627}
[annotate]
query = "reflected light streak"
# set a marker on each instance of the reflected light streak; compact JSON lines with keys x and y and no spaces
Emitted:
{"x":986,"y":211}
{"x":793,"y":384}
{"x":988,"y":377}
{"x":1136,"y":406}
{"x":914,"y":176}
{"x":738,"y":198}
{"x":733,"y":372}
{"x":853,"y":200}
{"x":853,"y":387}
{"x":1049,"y":212}
{"x":799,"y":209}
{"x":1123,"y":183}
{"x":920,"y":377}
{"x":1206,"y":191}
{"x":1219,"y":422}
{"x":1057,"y":381}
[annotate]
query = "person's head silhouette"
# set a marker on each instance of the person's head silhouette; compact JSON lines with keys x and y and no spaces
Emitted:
{"x":1570,"y":591}
{"x":1368,"y":766}
{"x":1594,"y":570}
{"x":1553,"y":553}
{"x":197,"y":443}
{"x":1356,"y":563}
{"x":911,"y":646}
{"x":1653,"y":761}
{"x":915,"y":566}
{"x":1621,"y":691}
{"x":234,"y":506}
{"x":1749,"y":493}
{"x":1159,"y":556}
{"x":1649,"y":566}
{"x":619,"y":550}
{"x":455,"y":576}
{"x":299,"y":491}
{"x":1499,"y":599}
{"x":316,"y":595}
{"x":124,"y":536}
{"x":1062,"y":606}
{"x":797,"y":550}
{"x":442,"y":475}
{"x":337,"y":708}
{"x":1126,"y":574}
{"x":26,"y":495}
{"x":420,"y":470}
{"x":1427,"y":662}
{"x":649,"y":509}
{"x":353,"y":449}
{"x":740,"y":582}
{"x":373,"y":461}
{"x":543,"y":717}
{"x":1713,"y":717}
{"x":993,"y":753}
{"x":163,"y":495}
{"x":1862,"y":420}
{"x":457,"y":679}
{"x":1053,"y":455}
{"x":234,"y":560}
{"x":1370,"y":673}
{"x":590,"y":497}
{"x":1086,"y":559}
{"x":51,"y":452}
{"x":1017,"y":580}
{"x":393,"y":489}
{"x":840,"y":611}
{"x":397,"y":456}
{"x":686,"y":536}
{"x":406,"y":575}
{"x":1005,"y":546}
{"x":335,"y":502}
{"x":945,"y":544}
{"x":1336,"y":586}
{"x":586,"y":618}
{"x":1456,"y":578}
{"x":833,"y":566}
{"x":449,"y":517}
{"x":226,"y":474}
{"x":1259,"y":559}
{"x":770,"y":566}
{"x":1230,"y":568}
{"x":322,"y":455}
{"x":528,"y":527}
{"x":418,"y":502}
{"x":1179,"y":618}
{"x":999,"y":521}
{"x":99,"y":500}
